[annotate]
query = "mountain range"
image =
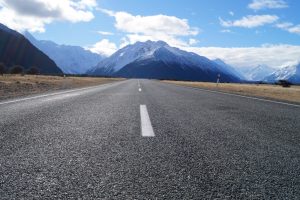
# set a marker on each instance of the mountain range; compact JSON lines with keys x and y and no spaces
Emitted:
{"x":158,"y":60}
{"x":15,"y":49}
{"x":290,"y":73}
{"x":71,"y":59}
{"x":229,"y":69}
{"x":268,"y":74}
{"x":257,"y":73}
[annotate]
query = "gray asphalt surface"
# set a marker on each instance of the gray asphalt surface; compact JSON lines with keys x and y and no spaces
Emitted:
{"x":87,"y":144}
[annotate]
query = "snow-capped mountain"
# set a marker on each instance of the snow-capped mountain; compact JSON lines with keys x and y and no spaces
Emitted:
{"x":289,"y":73}
{"x":127,"y":55}
{"x":15,"y":49}
{"x":160,"y":61}
{"x":71,"y":59}
{"x":257,"y":73}
{"x":229,"y":68}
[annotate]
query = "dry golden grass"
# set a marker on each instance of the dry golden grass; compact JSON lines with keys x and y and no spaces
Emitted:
{"x":17,"y":85}
{"x":291,"y":94}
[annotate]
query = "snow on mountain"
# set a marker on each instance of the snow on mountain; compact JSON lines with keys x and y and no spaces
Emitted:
{"x":257,"y":73}
{"x":229,"y":68}
{"x":289,"y":73}
{"x":137,"y":59}
{"x":145,"y":50}
{"x":71,"y":59}
{"x":127,"y":55}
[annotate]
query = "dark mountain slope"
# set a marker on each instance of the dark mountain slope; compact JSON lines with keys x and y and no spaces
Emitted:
{"x":15,"y":49}
{"x":158,"y":60}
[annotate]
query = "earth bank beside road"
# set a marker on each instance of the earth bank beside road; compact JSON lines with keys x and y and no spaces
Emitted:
{"x":12,"y":86}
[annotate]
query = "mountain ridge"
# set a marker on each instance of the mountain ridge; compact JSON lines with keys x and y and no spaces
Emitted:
{"x":290,"y":73}
{"x":131,"y":60}
{"x":15,"y":49}
{"x":71,"y":59}
{"x":257,"y":73}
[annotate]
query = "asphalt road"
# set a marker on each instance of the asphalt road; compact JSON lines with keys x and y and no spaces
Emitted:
{"x":142,"y":139}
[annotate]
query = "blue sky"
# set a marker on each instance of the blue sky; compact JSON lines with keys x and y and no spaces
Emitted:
{"x":199,"y":13}
{"x":229,"y":26}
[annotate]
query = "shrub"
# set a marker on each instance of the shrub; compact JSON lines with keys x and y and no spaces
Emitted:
{"x":16,"y":69}
{"x":284,"y":83}
{"x":33,"y":71}
{"x":2,"y":69}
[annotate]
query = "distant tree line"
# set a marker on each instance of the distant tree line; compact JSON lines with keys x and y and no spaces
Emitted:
{"x":284,"y":83}
{"x":17,"y":69}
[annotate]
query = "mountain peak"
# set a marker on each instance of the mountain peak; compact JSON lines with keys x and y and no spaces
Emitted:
{"x":71,"y":59}
{"x":158,"y":43}
{"x":219,"y":61}
{"x":131,"y":53}
{"x":290,"y":73}
{"x":29,"y":36}
{"x":156,"y":59}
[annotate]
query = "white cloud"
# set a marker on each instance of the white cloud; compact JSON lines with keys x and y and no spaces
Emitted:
{"x":231,"y":13}
{"x":250,"y":21}
{"x":103,"y":47}
{"x":173,"y":30}
{"x":33,"y":15}
{"x":271,"y":55}
{"x":290,"y":27}
{"x":284,"y":25}
{"x":155,"y":27}
{"x":105,"y":33}
{"x":124,"y":42}
{"x":193,"y":41}
{"x":271,"y":4}
{"x":295,"y":29}
{"x":87,"y":4}
{"x":173,"y":41}
{"x":22,"y":23}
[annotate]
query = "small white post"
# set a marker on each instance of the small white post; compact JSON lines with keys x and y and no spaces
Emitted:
{"x":218,"y":79}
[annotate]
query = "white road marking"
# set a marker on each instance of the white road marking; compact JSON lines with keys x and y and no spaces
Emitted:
{"x":146,"y":127}
{"x":139,"y":85}
{"x":247,"y":97}
{"x":59,"y":97}
{"x":52,"y":94}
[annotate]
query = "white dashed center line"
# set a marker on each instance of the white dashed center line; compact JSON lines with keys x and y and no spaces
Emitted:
{"x":146,"y":127}
{"x":139,"y":85}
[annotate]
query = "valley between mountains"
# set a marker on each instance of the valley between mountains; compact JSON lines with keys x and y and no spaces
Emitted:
{"x":149,"y":59}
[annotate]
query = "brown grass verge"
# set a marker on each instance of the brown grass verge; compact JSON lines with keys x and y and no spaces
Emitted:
{"x":275,"y":92}
{"x":16,"y":85}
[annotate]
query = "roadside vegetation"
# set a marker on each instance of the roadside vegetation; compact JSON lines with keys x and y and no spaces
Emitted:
{"x":277,"y":92}
{"x":15,"y":85}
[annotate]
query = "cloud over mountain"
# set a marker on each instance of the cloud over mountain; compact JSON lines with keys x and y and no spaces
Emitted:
{"x":153,"y":27}
{"x":271,"y":55}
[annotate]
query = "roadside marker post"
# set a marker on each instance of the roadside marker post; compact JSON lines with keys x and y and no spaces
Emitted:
{"x":218,"y":79}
